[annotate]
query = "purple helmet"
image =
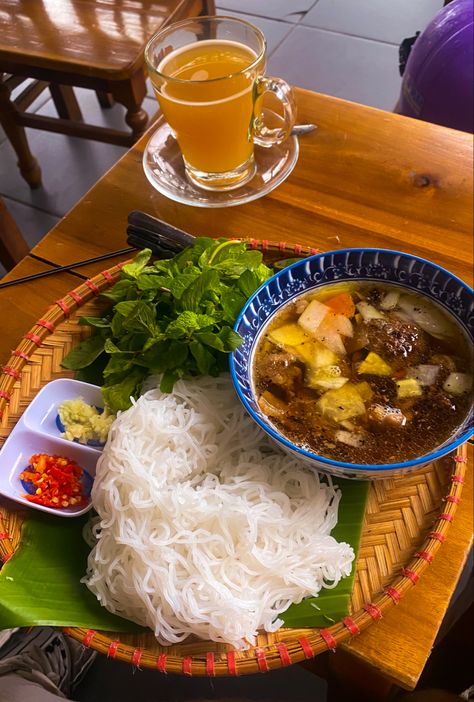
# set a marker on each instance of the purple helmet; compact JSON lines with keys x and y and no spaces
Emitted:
{"x":438,"y":81}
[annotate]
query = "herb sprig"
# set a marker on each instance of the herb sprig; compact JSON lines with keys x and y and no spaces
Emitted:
{"x":174,"y":318}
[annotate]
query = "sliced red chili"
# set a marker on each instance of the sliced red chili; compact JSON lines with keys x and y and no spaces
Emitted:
{"x":57,"y":481}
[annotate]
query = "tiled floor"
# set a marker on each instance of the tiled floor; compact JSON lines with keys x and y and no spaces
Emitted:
{"x":346,"y":48}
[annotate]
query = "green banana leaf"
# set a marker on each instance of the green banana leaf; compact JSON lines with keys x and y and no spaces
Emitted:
{"x":40,"y":584}
{"x":333,"y":604}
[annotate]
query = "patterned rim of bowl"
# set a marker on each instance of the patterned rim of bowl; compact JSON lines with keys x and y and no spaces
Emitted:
{"x":287,"y":284}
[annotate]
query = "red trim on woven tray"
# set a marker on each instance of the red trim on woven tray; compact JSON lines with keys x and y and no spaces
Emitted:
{"x":297,"y":248}
{"x":231,"y":663}
{"x":6,"y":395}
{"x":88,"y":636}
{"x":261,"y":657}
{"x":187,"y":665}
{"x":12,"y":372}
{"x":447,"y":517}
{"x":44,"y":323}
{"x":437,"y":536}
{"x":21,"y":354}
{"x":350,"y":624}
{"x":307,"y":648}
{"x":5,"y":557}
{"x":161,"y":662}
{"x":37,"y":340}
{"x":373,"y":610}
{"x":75,"y":296}
{"x":453,"y":498}
{"x":253,"y":243}
{"x":136,"y":657}
{"x":4,"y":535}
{"x":112,"y":651}
{"x":90,"y":284}
{"x":284,"y":654}
{"x":460,"y":459}
{"x":328,"y":638}
{"x":425,"y":555}
{"x":393,"y":593}
{"x":107,"y":275}
{"x":282,"y":246}
{"x":210,"y":664}
{"x":414,"y":577}
{"x":63,"y":306}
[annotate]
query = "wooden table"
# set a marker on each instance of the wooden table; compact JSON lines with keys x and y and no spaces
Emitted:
{"x":364,"y":178}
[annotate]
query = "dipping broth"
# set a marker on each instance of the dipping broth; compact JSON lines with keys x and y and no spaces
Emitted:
{"x":364,"y":373}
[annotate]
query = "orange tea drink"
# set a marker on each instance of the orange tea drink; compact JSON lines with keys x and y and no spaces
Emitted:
{"x":211,"y":118}
{"x":208,"y":76}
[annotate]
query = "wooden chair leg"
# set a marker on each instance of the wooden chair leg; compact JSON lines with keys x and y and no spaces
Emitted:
{"x":65,"y":102}
{"x":12,"y":245}
{"x":27,"y":163}
{"x":106,"y":100}
{"x":131,"y":93}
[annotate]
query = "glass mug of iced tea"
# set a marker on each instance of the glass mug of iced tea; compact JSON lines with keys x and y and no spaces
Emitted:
{"x":208,"y":74}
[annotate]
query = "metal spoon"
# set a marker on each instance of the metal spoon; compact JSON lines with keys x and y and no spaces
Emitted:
{"x":300,"y":129}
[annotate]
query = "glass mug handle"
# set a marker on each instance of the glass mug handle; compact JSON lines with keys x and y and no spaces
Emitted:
{"x":267,"y":136}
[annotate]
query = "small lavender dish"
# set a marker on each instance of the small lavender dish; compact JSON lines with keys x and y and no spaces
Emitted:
{"x":401,"y":357}
{"x":37,"y":433}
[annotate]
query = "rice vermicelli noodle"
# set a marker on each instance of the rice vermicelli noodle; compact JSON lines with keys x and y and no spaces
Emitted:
{"x":204,"y":526}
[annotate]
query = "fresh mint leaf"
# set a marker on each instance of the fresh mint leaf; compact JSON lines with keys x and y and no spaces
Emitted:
{"x":94,"y":373}
{"x":111,"y":348}
{"x":120,"y":291}
{"x":174,"y":317}
{"x":118,"y":364}
{"x":206,"y":362}
{"x":197,"y":290}
{"x":225,"y":250}
{"x":168,"y":379}
{"x":117,"y":394}
{"x":147,"y":281}
{"x":178,"y":285}
{"x":127,"y":307}
{"x":235,"y":265}
{"x":116,"y":326}
{"x":232,"y":303}
{"x":100,"y":322}
{"x":135,"y":267}
{"x":202,"y":245}
{"x":84,"y":353}
{"x":164,"y":355}
{"x":248,"y":282}
{"x":230,"y":339}
{"x":211,"y":339}
{"x":186,"y":323}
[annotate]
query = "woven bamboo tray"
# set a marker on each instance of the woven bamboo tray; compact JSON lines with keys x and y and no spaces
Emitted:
{"x":406,"y":520}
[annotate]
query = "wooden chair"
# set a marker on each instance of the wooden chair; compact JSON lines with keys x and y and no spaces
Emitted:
{"x":96,"y":44}
{"x":12,"y":245}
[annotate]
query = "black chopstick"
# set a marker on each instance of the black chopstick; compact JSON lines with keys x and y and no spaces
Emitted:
{"x":60,"y":269}
{"x":144,"y":231}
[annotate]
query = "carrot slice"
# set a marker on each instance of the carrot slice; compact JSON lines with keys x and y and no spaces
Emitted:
{"x":342,"y":304}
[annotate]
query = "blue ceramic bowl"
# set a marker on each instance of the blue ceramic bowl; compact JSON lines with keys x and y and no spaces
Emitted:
{"x":348,"y":264}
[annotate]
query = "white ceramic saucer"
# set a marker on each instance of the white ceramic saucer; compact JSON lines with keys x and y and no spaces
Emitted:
{"x":164,"y":168}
